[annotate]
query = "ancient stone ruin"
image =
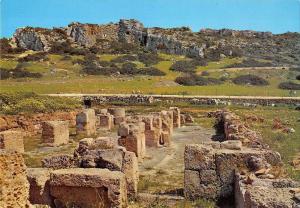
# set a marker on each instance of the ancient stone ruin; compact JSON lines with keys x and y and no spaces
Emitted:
{"x":92,"y":188}
{"x":241,"y":167}
{"x":14,"y":187}
{"x":118,"y":113}
{"x":132,"y":137}
{"x":106,"y":121}
{"x":86,"y":122}
{"x":12,"y":140}
{"x":55,"y":132}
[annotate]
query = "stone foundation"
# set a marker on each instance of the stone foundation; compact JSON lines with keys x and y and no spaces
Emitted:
{"x":209,"y":170}
{"x":12,"y":140}
{"x":14,"y":187}
{"x":55,"y":133}
{"x":93,"y":188}
{"x":86,"y":122}
{"x":265,"y":193}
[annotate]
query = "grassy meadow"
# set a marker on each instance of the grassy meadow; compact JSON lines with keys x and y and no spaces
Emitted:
{"x":63,"y":76}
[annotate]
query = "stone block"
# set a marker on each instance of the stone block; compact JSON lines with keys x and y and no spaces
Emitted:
{"x":165,"y":139}
{"x":55,"y":133}
{"x":199,"y":157}
{"x":232,"y":144}
{"x":106,"y":121}
{"x":14,"y":187}
{"x":39,"y":186}
{"x":93,"y":188}
{"x":263,"y":193}
{"x":86,"y":122}
{"x":12,"y":140}
{"x":118,"y":113}
{"x":131,"y":170}
{"x":176,"y":117}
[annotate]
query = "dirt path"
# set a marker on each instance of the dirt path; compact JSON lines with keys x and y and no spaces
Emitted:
{"x":162,"y":171}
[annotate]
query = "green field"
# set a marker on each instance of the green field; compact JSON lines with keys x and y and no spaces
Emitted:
{"x":62,"y":76}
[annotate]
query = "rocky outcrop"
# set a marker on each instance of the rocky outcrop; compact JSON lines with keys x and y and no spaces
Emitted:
{"x":89,"y":34}
{"x":38,"y":39}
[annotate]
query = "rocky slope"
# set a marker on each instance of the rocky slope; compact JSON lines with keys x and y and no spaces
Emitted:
{"x":207,"y":43}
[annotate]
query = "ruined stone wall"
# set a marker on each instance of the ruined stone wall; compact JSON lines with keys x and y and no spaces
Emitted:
{"x":14,"y":187}
{"x":196,"y":100}
{"x":210,"y":168}
{"x":31,"y":125}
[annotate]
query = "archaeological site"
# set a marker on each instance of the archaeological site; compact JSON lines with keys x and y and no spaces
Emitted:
{"x":150,"y":104}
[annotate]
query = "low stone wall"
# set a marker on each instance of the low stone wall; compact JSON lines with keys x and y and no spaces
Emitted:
{"x":197,"y":100}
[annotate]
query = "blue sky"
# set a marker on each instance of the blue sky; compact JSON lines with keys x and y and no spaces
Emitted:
{"x":277,"y":16}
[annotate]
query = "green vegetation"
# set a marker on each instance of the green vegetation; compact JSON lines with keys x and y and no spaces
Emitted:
{"x":14,"y":103}
{"x":63,"y":74}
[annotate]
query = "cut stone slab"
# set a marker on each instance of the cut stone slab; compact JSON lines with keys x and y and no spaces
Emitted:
{"x":12,"y":140}
{"x":88,"y":187}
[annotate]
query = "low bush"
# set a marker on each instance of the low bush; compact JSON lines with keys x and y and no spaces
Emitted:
{"x":17,"y":73}
{"x":289,"y":86}
{"x":5,"y":47}
{"x":152,"y":71}
{"x":298,"y":77}
{"x":34,"y":57}
{"x":188,"y":66}
{"x":250,"y":63}
{"x":125,"y":58}
{"x":193,"y":79}
{"x":205,"y":73}
{"x":250,"y":80}
{"x":28,"y":102}
{"x":149,"y":58}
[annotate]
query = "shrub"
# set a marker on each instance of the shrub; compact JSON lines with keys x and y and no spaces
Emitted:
{"x":183,"y":66}
{"x":122,"y":48}
{"x":149,"y":58}
{"x":250,"y":80}
{"x":152,"y":71}
{"x":129,"y":69}
{"x":193,"y":79}
{"x":289,"y":86}
{"x":34,"y":57}
{"x":205,"y":73}
{"x":298,"y":77}
{"x":28,"y":102}
{"x":250,"y":63}
{"x":5,"y":47}
{"x":125,"y":58}
{"x":17,"y":73}
{"x":295,"y":69}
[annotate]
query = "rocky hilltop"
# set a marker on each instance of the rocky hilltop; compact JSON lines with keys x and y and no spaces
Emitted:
{"x":207,"y":43}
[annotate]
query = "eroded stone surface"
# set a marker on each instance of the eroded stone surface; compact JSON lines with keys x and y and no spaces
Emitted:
{"x":86,"y":122}
{"x":11,"y":140}
{"x":55,"y":132}
{"x":92,"y":188}
{"x":14,"y":187}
